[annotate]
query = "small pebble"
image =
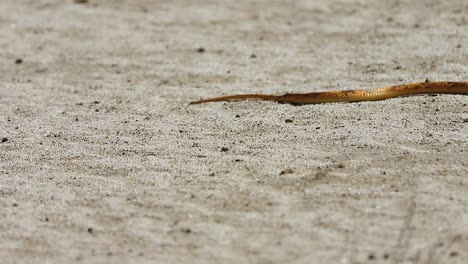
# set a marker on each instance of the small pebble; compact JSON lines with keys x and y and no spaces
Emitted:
{"x":201,"y":50}
{"x":4,"y":140}
{"x":224,"y":149}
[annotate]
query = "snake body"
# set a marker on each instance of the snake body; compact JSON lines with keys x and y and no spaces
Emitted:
{"x":353,"y":95}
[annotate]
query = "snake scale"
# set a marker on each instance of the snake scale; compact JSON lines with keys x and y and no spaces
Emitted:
{"x":352,"y":95}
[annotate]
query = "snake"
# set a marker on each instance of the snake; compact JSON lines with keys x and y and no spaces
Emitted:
{"x":352,"y":95}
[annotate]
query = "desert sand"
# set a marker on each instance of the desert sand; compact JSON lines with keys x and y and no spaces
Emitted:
{"x":102,"y":160}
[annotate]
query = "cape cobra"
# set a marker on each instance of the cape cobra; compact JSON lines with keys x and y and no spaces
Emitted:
{"x":353,"y":95}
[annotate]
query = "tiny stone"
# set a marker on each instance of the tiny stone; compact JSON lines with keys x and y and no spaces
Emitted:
{"x":201,"y":50}
{"x":224,"y":149}
{"x":288,"y":120}
{"x":4,"y":140}
{"x":90,"y":230}
{"x":19,"y":61}
{"x":253,"y":56}
{"x":453,"y":254}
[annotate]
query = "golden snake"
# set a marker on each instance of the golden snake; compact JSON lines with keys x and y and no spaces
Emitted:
{"x":353,"y":95}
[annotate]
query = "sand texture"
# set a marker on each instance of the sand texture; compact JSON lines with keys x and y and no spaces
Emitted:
{"x":102,"y":160}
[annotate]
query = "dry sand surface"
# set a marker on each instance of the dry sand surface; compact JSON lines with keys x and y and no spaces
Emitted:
{"x":102,"y":160}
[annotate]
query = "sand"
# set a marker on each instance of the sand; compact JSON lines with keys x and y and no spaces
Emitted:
{"x":102,"y":160}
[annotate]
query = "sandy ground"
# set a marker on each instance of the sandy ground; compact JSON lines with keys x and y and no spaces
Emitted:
{"x":102,"y":160}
